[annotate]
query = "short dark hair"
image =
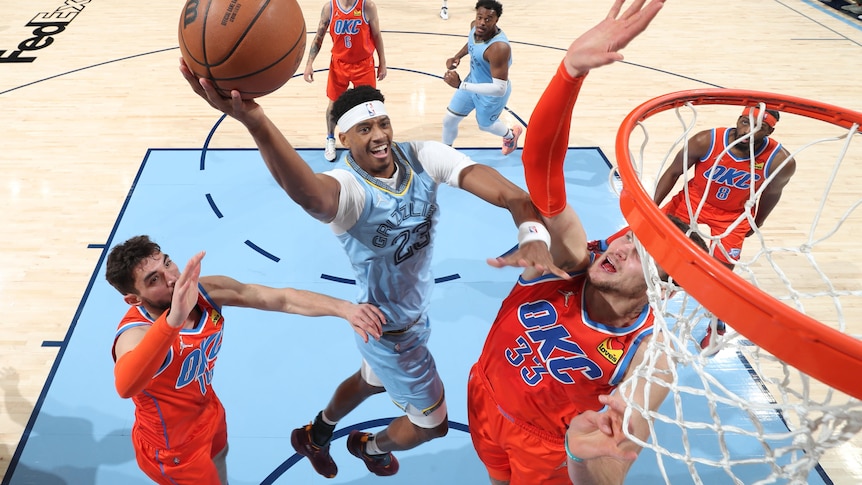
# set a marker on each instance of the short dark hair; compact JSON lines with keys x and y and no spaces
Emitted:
{"x":494,"y":5}
{"x":124,"y":258}
{"x":775,"y":113}
{"x":354,"y":97}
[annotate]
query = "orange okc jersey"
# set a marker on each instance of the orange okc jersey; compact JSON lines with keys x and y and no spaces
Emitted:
{"x":732,"y":179}
{"x":351,"y":34}
{"x":546,"y":361}
{"x":179,"y":400}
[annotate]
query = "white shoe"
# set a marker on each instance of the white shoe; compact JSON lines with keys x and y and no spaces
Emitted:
{"x":329,"y":150}
{"x":444,"y":13}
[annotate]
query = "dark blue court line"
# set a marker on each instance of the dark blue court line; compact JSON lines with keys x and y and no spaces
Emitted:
{"x":53,"y":343}
{"x":96,"y":246}
{"x":88,"y":67}
{"x":755,"y":377}
{"x":349,"y":281}
{"x":208,"y":139}
{"x":444,"y":279}
{"x":832,"y":12}
{"x":40,"y":401}
{"x":375,"y":423}
{"x":213,"y":206}
{"x":261,"y":251}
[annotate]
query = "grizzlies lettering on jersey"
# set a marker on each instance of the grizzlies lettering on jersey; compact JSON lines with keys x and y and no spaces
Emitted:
{"x":391,"y":243}
{"x":544,"y":353}
{"x":480,"y":69}
{"x":351,"y":35}
{"x":180,"y":395}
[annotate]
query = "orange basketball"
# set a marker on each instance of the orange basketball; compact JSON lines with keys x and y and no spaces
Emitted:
{"x":253,"y":46}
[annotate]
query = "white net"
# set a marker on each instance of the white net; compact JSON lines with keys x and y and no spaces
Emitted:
{"x":735,"y":413}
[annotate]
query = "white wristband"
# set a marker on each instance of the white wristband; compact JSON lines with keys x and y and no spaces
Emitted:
{"x":533,"y":231}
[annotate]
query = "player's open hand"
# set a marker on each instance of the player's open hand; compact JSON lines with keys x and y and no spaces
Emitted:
{"x":185,"y":295}
{"x":594,"y":434}
{"x":366,"y":319}
{"x":534,"y":254}
{"x":599,"y":46}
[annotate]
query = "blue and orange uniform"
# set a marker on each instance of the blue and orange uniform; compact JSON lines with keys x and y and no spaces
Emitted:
{"x":544,"y":362}
{"x":179,"y":421}
{"x":727,"y":181}
{"x":353,"y":47}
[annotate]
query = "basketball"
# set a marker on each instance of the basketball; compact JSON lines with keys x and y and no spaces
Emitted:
{"x":253,"y":46}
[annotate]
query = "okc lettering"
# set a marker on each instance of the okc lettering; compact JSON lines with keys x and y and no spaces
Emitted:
{"x":45,"y":26}
{"x":347,"y":27}
{"x":198,"y":364}
{"x":730,"y":176}
{"x":546,"y":348}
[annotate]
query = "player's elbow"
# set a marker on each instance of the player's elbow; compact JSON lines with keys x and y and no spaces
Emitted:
{"x":126,"y":391}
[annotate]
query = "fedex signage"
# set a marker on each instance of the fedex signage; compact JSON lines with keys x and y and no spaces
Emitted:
{"x":45,"y":26}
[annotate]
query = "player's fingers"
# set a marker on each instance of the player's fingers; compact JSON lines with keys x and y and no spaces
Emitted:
{"x":615,"y":9}
{"x":633,"y":9}
{"x":361,"y":334}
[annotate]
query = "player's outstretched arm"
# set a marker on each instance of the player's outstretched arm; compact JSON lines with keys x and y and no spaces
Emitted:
{"x":366,"y":319}
{"x":546,"y":143}
{"x":317,"y":194}
{"x":490,"y":186}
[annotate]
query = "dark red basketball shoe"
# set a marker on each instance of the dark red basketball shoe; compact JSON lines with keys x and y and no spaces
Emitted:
{"x":380,"y":465}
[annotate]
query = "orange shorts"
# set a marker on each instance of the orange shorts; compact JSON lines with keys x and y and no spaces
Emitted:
{"x":511,"y":452}
{"x":341,"y":74}
{"x":190,"y":464}
{"x":732,"y":243}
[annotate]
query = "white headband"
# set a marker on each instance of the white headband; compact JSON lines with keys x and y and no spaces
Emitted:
{"x":360,"y":113}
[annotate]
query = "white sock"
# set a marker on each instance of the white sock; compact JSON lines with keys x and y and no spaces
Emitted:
{"x":498,"y":128}
{"x":450,"y":127}
{"x":371,"y":447}
{"x":327,"y":420}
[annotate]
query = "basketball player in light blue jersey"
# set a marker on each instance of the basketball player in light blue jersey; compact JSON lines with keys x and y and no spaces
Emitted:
{"x":486,"y":87}
{"x":380,"y":201}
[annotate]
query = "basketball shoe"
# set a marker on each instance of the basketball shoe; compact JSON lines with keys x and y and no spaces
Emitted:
{"x":720,"y":329}
{"x":444,"y":13}
{"x":319,"y":456}
{"x":510,"y":144}
{"x":329,"y":150}
{"x":381,"y":465}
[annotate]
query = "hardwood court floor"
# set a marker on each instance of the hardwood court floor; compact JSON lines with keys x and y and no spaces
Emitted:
{"x":77,"y":121}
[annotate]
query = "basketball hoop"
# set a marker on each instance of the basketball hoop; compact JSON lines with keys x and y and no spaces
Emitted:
{"x":795,"y":343}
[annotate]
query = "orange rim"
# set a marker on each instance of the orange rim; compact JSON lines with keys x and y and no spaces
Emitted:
{"x":814,"y":348}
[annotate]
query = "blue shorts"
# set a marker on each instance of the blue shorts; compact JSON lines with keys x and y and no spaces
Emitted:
{"x":488,"y":108}
{"x":405,"y":367}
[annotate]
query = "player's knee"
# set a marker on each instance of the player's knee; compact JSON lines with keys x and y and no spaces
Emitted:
{"x":450,"y":118}
{"x":440,"y":430}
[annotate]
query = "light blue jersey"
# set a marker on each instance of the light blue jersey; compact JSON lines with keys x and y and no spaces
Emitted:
{"x":390,"y":244}
{"x":480,"y":69}
{"x":488,"y":108}
{"x":390,"y":248}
